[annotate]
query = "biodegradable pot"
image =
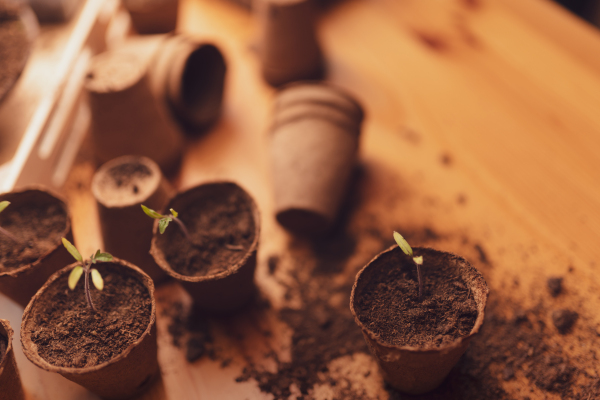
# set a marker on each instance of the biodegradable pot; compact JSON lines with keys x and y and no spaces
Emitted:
{"x":20,"y":283}
{"x":411,"y":369}
{"x":125,"y":375}
{"x":126,"y":117}
{"x":120,"y":187}
{"x":213,"y":213}
{"x":189,"y":76}
{"x":10,"y":381}
{"x":289,"y":49}
{"x":152,"y":16}
{"x":314,"y":145}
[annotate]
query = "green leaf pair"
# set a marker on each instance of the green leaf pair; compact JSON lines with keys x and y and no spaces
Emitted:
{"x":403,"y":244}
{"x":164,"y":219}
{"x":4,"y":204}
{"x":76,"y":273}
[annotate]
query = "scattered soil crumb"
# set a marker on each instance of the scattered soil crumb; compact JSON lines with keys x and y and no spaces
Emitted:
{"x":564,"y":320}
{"x":554,"y":285}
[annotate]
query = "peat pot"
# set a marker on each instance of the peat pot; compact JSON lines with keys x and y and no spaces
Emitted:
{"x":120,"y":187}
{"x":152,"y":16}
{"x":111,"y":352}
{"x":314,"y":146}
{"x":216,"y":265}
{"x":39,"y":219}
{"x":10,"y":381}
{"x":417,"y":342}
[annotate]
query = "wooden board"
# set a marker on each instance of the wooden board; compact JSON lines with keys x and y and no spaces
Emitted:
{"x":482,"y":137}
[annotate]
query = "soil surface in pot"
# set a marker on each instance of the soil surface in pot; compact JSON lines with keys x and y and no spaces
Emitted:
{"x":38,"y":226}
{"x":3,"y":347}
{"x":69,"y":334}
{"x":125,"y":182}
{"x":222,"y":229}
{"x":389,"y":304}
{"x":14,"y":46}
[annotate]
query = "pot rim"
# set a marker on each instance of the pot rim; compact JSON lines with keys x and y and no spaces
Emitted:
{"x":125,"y":160}
{"x":61,"y":200}
{"x":35,"y":358}
{"x":158,"y":254}
{"x":5,"y":326}
{"x":414,"y":349}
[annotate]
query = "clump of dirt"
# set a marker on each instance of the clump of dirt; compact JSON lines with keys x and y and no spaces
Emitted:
{"x":69,"y":334}
{"x":38,"y":228}
{"x":564,"y":320}
{"x":554,"y":285}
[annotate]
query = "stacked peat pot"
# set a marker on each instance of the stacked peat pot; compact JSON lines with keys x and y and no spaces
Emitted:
{"x":137,"y":88}
{"x":10,"y":381}
{"x":37,"y":219}
{"x":314,"y":146}
{"x":152,"y":16}
{"x":216,"y":260}
{"x":120,"y":187}
{"x":416,"y":341}
{"x":289,"y":50}
{"x":111,"y":351}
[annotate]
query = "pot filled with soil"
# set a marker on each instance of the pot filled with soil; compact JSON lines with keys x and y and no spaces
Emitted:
{"x":216,"y":259}
{"x":417,"y":339}
{"x":10,"y":381}
{"x":314,"y":146}
{"x":152,"y":16}
{"x":120,"y":187}
{"x":31,"y":251}
{"x":289,"y":49}
{"x":110,"y":351}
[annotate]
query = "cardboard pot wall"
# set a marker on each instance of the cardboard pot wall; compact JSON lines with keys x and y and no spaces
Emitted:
{"x":126,"y":117}
{"x":233,"y":287}
{"x":416,"y":370}
{"x":128,"y":374}
{"x":314,"y":148}
{"x":20,"y":284}
{"x":10,"y":380}
{"x":152,"y":16}
{"x":120,"y":187}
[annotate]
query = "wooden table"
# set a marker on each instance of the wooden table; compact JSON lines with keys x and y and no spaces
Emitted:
{"x":482,"y":137}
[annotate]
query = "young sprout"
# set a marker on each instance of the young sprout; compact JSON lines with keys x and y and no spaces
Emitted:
{"x":403,"y":244}
{"x":3,"y":205}
{"x":85,"y":267}
{"x":165,"y":219}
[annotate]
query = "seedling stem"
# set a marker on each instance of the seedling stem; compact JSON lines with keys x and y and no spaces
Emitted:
{"x":403,"y":244}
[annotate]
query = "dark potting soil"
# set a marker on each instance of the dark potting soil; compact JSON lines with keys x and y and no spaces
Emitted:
{"x":222,"y":229}
{"x":390,"y":307}
{"x":3,"y":347}
{"x":125,"y":182}
{"x":14,"y":46}
{"x":39,"y":228}
{"x":69,"y":334}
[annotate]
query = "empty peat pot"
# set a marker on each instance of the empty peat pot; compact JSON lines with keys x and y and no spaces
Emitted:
{"x":189,"y":75}
{"x":417,"y":342}
{"x":120,"y":187}
{"x":152,"y":16}
{"x":314,"y":146}
{"x":126,"y":117}
{"x":10,"y":381}
{"x":111,"y":352}
{"x":289,"y":50}
{"x":217,"y":266}
{"x":38,"y":219}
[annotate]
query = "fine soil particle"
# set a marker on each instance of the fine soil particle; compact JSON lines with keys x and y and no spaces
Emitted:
{"x":69,"y":334}
{"x":14,"y":46}
{"x":389,"y":303}
{"x":37,"y":226}
{"x":554,"y":285}
{"x":564,"y":320}
{"x":3,"y":347}
{"x":222,"y":229}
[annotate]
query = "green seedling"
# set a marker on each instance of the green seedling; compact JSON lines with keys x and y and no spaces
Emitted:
{"x":403,"y":244}
{"x":164,"y":222}
{"x":3,"y":205}
{"x":165,"y":219}
{"x":86,"y":268}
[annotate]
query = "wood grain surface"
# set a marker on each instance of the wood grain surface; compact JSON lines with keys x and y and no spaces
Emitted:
{"x":482,"y":128}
